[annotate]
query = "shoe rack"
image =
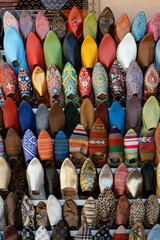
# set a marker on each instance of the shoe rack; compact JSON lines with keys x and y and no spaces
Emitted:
{"x":80,"y":202}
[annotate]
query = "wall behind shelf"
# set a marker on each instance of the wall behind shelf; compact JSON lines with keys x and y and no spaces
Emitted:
{"x":131,"y":7}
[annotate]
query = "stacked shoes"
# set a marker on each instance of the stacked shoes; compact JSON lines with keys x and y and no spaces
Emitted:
{"x":62,"y":62}
{"x":79,"y":64}
{"x":94,"y":215}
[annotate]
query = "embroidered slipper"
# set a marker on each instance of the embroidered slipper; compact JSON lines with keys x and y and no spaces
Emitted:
{"x":100,"y":84}
{"x":27,"y":24}
{"x":8,"y":80}
{"x":59,"y":25}
{"x":85,"y":85}
{"x":90,"y":26}
{"x":151,"y":81}
{"x":54,"y":85}
{"x":134,"y":81}
{"x":42,"y":26}
{"x":153,"y":27}
{"x":106,"y":22}
{"x":10,"y":21}
{"x":122,"y":27}
{"x":117,"y":83}
{"x":8,"y":85}
{"x":75,"y":23}
{"x":70,"y":84}
{"x":139,"y":25}
{"x":25,"y":86}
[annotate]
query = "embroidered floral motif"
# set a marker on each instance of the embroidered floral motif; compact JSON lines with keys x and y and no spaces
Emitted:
{"x":117,"y":83}
{"x":54,"y":85}
{"x":85,"y":85}
{"x":70,"y":84}
{"x":100,"y":84}
{"x":151,"y":81}
{"x":8,"y":79}
{"x":25,"y":84}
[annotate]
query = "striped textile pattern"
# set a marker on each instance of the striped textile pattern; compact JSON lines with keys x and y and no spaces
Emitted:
{"x":61,"y":146}
{"x":115,"y":142}
{"x":131,"y":145}
{"x":45,"y":146}
{"x":78,"y":141}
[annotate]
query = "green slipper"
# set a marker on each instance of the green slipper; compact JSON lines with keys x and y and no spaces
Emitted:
{"x":90,"y":26}
{"x":150,"y":116}
{"x":52,"y":50}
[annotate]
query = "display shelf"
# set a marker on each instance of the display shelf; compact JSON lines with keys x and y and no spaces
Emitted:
{"x":73,"y":232}
{"x":81,"y":202}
